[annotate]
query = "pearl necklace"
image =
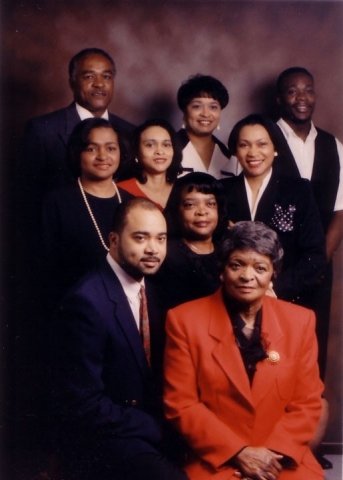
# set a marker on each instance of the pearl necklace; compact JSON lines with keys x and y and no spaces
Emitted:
{"x":91,"y":213}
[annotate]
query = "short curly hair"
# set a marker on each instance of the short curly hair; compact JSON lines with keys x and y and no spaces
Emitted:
{"x":255,"y":236}
{"x":202,"y":86}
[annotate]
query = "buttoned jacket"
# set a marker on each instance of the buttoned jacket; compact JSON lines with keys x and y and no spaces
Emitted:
{"x":208,"y":397}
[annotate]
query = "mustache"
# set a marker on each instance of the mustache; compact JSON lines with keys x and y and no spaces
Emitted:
{"x":150,"y":259}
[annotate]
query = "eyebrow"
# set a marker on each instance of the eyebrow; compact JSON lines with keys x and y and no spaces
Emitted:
{"x":142,"y":232}
{"x":92,"y":71}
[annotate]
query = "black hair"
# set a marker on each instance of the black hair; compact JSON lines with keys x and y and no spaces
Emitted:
{"x":290,"y":71}
{"x":255,"y":119}
{"x":202,"y":86}
{"x":124,"y":208}
{"x":83,"y":53}
{"x":79,"y":141}
{"x":199,"y":182}
{"x":136,"y":168}
{"x":254,"y":236}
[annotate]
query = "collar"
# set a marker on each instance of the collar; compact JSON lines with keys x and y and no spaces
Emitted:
{"x":289,"y":132}
{"x":84,"y":113}
{"x":130,"y":286}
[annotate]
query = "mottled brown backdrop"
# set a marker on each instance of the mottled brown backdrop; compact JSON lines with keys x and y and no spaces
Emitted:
{"x":158,"y":44}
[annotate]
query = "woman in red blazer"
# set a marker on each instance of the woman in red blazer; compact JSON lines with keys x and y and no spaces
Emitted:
{"x":241,"y":377}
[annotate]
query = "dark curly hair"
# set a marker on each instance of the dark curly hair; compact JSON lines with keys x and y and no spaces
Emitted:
{"x":200,"y":182}
{"x":136,"y":168}
{"x":79,"y":141}
{"x":202,"y":86}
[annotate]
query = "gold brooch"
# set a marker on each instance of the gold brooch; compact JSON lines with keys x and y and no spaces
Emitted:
{"x":273,"y":357}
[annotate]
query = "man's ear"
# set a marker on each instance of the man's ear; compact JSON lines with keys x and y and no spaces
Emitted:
{"x":71,"y":83}
{"x":113,"y":239}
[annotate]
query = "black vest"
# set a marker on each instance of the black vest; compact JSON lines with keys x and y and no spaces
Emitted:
{"x":325,"y":174}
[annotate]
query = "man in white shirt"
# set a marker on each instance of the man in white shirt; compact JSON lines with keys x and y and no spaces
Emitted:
{"x":107,"y":365}
{"x":43,"y":163}
{"x":310,"y":152}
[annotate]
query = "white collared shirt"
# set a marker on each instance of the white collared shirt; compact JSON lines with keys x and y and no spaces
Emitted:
{"x":130,"y":286}
{"x":83,"y":113}
{"x":303,"y":153}
{"x":261,"y":190}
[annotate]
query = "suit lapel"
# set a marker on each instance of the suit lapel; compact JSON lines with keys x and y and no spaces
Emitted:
{"x":238,"y":206}
{"x":71,"y":120}
{"x":266,"y":373}
{"x":226,"y":352}
{"x":123,"y":315}
{"x":266,"y":205}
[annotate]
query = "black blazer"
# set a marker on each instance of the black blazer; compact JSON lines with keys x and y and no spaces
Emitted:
{"x":105,"y":394}
{"x":286,"y":203}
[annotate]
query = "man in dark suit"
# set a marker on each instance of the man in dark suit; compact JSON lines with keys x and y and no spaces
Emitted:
{"x":105,"y":376}
{"x":43,"y":164}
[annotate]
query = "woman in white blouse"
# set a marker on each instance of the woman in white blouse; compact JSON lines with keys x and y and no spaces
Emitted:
{"x":201,"y":98}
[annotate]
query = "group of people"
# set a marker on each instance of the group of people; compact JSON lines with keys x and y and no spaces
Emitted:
{"x":228,"y":386}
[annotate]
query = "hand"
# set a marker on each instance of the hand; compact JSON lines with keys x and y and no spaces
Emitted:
{"x":258,"y":463}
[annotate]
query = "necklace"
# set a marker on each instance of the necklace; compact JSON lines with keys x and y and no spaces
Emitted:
{"x":196,"y":249}
{"x":91,"y":213}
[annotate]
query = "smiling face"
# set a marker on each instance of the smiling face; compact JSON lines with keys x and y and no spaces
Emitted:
{"x":155,"y":150}
{"x":93,"y":83}
{"x":100,"y":159}
{"x":199,"y":215}
{"x":297,"y":98}
{"x":255,"y":151}
{"x":246,"y":276}
{"x":141,"y":247}
{"x":202,"y":116}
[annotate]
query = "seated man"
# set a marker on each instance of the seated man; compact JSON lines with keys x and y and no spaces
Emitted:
{"x":107,"y":342}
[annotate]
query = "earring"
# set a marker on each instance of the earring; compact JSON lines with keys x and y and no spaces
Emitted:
{"x":136,"y":159}
{"x":218,"y":128}
{"x":275,"y":154}
{"x":183,"y":125}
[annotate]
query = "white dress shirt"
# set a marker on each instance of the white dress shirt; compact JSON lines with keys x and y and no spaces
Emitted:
{"x":261,"y":190}
{"x":83,"y":113}
{"x":303,"y":153}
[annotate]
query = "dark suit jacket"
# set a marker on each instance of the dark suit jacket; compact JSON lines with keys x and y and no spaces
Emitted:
{"x":304,"y":244}
{"x":105,"y":395}
{"x":43,"y":164}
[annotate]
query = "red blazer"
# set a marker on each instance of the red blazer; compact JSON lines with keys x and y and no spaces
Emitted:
{"x":208,"y":397}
